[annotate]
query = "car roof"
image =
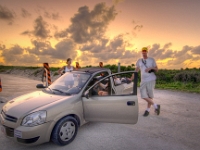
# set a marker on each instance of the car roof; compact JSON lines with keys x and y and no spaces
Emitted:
{"x":93,"y":70}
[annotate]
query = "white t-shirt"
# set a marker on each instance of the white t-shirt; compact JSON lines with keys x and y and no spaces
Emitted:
{"x":145,"y":76}
{"x":69,"y":77}
{"x":67,"y":70}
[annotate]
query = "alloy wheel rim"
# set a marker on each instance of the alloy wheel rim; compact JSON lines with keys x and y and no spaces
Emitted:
{"x":67,"y":131}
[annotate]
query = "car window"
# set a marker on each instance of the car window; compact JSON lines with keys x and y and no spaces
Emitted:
{"x":119,"y":84}
{"x":70,"y":83}
{"x":102,"y":88}
{"x":122,"y":84}
{"x":101,"y":75}
{"x":96,"y":78}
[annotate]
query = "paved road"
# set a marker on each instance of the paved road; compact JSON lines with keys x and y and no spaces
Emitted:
{"x":177,"y":127}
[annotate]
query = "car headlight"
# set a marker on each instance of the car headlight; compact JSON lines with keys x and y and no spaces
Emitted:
{"x":34,"y":119}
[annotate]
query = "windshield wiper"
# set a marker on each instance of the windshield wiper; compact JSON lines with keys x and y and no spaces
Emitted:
{"x":61,"y":91}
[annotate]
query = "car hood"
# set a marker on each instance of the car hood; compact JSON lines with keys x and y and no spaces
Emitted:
{"x":29,"y":102}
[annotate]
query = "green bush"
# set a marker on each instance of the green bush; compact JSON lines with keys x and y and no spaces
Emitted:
{"x":188,"y":76}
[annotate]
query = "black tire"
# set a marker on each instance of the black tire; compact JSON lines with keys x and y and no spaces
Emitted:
{"x":65,"y":131}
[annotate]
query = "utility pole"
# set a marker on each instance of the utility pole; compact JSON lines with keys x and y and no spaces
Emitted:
{"x":118,"y":66}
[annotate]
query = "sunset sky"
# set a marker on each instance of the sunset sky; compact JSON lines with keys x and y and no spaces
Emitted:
{"x":89,"y":31}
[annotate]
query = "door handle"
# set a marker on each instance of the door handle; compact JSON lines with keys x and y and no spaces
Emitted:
{"x":131,"y":103}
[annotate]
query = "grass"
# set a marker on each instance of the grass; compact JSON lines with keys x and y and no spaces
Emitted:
{"x":180,"y":86}
{"x":4,"y":68}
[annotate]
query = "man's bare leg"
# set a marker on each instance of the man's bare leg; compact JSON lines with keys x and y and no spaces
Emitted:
{"x":149,"y":103}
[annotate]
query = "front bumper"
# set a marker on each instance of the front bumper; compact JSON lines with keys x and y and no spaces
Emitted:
{"x":26,"y":135}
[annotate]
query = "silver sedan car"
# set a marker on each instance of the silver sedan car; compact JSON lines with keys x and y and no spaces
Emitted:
{"x":56,"y":112}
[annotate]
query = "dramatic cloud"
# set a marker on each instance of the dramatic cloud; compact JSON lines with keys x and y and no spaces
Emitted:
{"x":40,"y":47}
{"x":161,"y":53}
{"x":95,"y":47}
{"x":40,"y":29}
{"x":41,"y":52}
{"x":65,"y":49}
{"x":196,"y":50}
{"x":25,"y":13}
{"x":109,"y":50}
{"x":7,"y":15}
{"x":89,"y":25}
{"x":138,"y":27}
{"x":54,"y":16}
{"x":117,"y":43}
{"x":26,"y":59}
{"x":186,"y":49}
{"x":62,"y":50}
{"x":179,"y":61}
{"x":48,"y":13}
{"x":2,"y":47}
{"x":167,"y":45}
{"x":15,"y":50}
{"x":175,"y":59}
{"x":11,"y":55}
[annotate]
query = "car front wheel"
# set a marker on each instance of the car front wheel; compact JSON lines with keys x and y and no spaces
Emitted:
{"x":65,"y":131}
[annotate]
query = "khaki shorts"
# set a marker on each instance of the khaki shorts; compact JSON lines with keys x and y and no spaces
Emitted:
{"x":147,"y":89}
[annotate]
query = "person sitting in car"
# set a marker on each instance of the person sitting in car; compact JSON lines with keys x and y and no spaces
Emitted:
{"x":119,"y":81}
{"x":100,"y":88}
{"x":104,"y":89}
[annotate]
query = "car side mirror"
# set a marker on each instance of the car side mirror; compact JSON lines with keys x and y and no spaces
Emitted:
{"x":39,"y":86}
{"x":86,"y":94}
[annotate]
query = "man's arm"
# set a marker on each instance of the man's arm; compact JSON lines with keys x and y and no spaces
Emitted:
{"x":154,"y":68}
{"x":132,"y":77}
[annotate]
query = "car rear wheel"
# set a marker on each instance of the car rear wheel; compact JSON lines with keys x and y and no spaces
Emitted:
{"x":65,"y":131}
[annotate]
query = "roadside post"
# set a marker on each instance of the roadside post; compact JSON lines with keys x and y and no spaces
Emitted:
{"x":119,"y":67}
{"x":46,"y":74}
{"x":0,"y":85}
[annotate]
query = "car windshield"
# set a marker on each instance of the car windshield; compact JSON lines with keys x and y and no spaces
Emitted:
{"x":69,"y":83}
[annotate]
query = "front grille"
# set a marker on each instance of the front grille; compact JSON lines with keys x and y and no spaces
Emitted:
{"x":9,"y":131}
{"x":8,"y":117}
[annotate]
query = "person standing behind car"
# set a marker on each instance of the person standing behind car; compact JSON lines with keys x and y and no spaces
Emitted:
{"x":69,"y":81}
{"x":66,"y":68}
{"x":148,"y":67}
{"x":77,"y":65}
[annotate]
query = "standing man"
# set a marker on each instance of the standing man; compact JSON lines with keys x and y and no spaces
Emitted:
{"x":147,"y":66}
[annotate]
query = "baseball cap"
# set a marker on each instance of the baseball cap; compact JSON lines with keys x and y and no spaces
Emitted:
{"x":145,"y":49}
